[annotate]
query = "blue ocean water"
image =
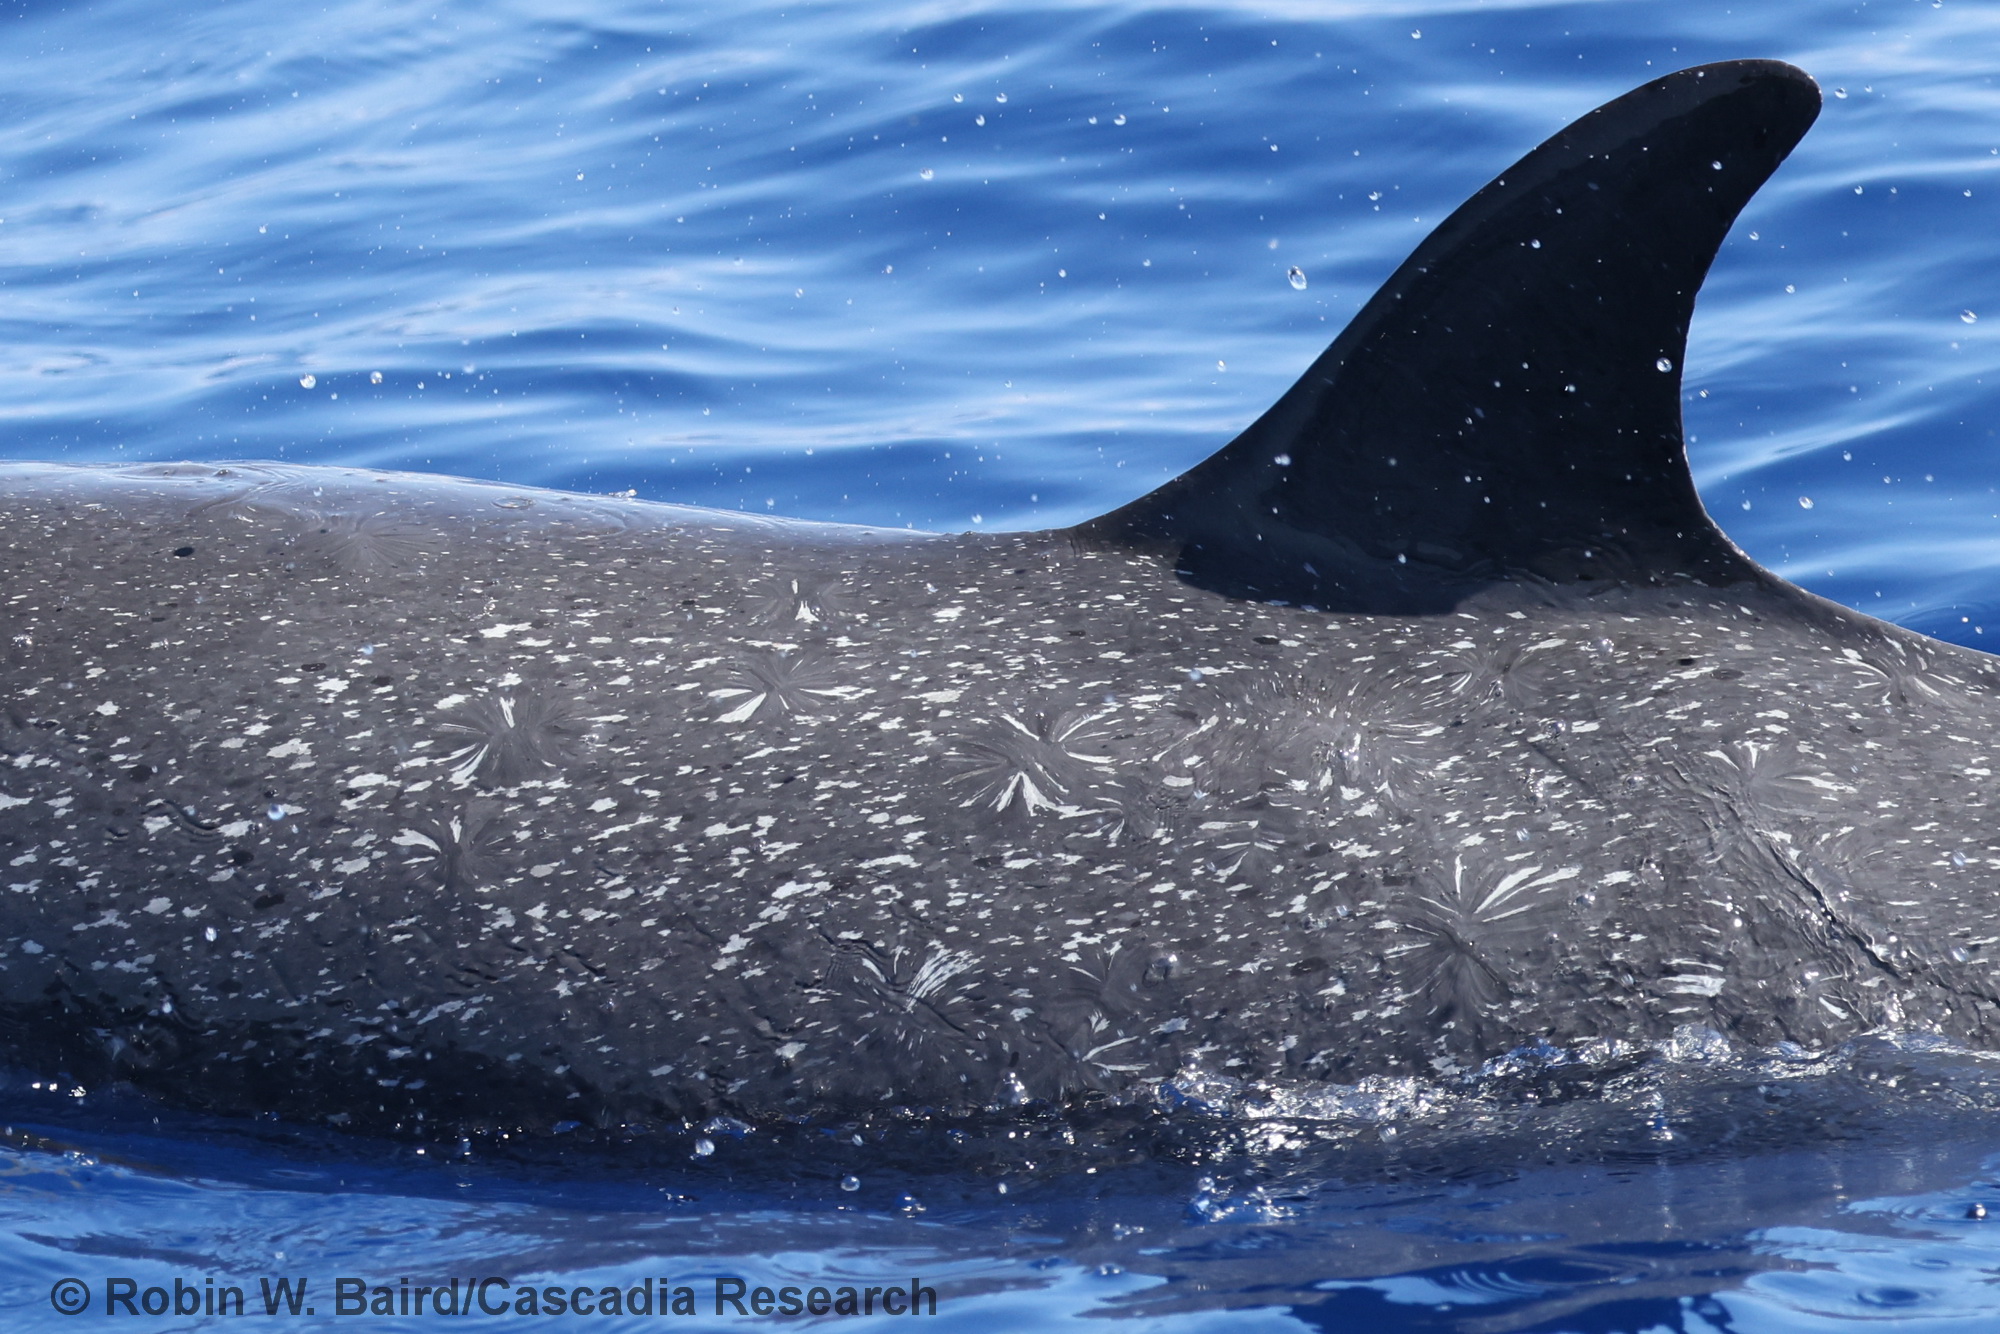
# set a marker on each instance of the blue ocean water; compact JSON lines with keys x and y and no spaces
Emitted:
{"x":1004,"y":266}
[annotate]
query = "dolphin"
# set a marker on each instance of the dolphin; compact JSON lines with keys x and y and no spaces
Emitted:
{"x":1430,"y":718}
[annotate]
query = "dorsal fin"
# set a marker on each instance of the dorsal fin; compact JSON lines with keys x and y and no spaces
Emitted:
{"x":1508,"y":404}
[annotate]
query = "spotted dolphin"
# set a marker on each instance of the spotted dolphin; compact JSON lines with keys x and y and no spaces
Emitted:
{"x":1430,"y":717}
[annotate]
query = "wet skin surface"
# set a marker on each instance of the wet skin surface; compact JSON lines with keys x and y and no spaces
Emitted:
{"x":679,"y":812}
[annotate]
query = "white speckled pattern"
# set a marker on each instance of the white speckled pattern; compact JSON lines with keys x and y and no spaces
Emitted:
{"x":368,"y":796}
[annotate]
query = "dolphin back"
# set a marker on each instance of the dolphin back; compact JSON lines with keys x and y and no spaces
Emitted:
{"x":424,"y":806}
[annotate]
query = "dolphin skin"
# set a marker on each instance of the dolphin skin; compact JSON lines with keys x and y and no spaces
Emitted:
{"x":1429,"y":718}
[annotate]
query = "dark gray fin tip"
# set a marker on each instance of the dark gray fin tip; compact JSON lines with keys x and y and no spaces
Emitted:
{"x":1507,"y":406}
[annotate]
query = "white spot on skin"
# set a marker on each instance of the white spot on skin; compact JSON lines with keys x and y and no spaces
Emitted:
{"x":743,"y":712}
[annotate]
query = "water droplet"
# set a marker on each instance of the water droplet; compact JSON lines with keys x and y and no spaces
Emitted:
{"x":1221,"y":365}
{"x":1790,"y":288}
{"x":703,"y":1147}
{"x":1805,"y":502}
{"x":1976,"y":1212}
{"x":850,"y":1184}
{"x":1118,"y":119}
{"x":1402,"y":559}
{"x":999,"y":97}
{"x":208,"y":933}
{"x":958,"y":97}
{"x":1416,"y":34}
{"x":927,"y":174}
{"x":1663,"y":365}
{"x":1282,"y":460}
{"x":1296,"y":276}
{"x":308,"y":381}
{"x":276,"y":812}
{"x":374,"y":377}
{"x":1968,"y":317}
{"x":1716,"y":165}
{"x":1534,"y":245}
{"x":1093,"y":120}
{"x":1840,"y":93}
{"x":1062,"y":273}
{"x":1755,"y":236}
{"x":1958,"y":859}
{"x":979,"y":119}
{"x":1194,"y":674}
{"x":1746,"y":504}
